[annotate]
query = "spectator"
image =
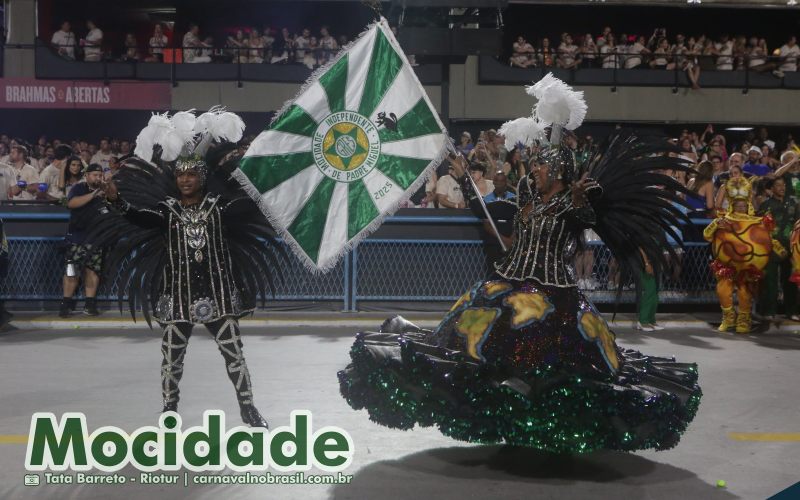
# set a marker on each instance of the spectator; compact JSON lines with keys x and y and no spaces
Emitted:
{"x":513,"y":167}
{"x":523,"y":55}
{"x":53,"y":175}
{"x":588,"y":51}
{"x":301,"y":44}
{"x":256,"y":44}
{"x":603,"y":38}
{"x":635,"y":53}
{"x":156,"y":45}
{"x":72,"y":174}
{"x":311,"y":54}
{"x":785,"y":211}
{"x":131,"y":48}
{"x":608,"y":52}
{"x":8,"y":178}
{"x":193,"y":46}
{"x":739,"y":52}
{"x":725,"y":53}
{"x":87,"y":195}
{"x":26,"y":185}
{"x":708,"y":54}
{"x":282,"y":48}
{"x":124,"y":148}
{"x":501,"y":189}
{"x":86,"y":157}
{"x":103,"y":156}
{"x":734,"y":172}
{"x":568,"y":55}
{"x":113,"y":166}
{"x":788,"y":55}
{"x":448,"y":191}
{"x":47,"y":158}
{"x":465,"y":147}
{"x":478,"y":171}
{"x":544,"y":55}
{"x":790,"y":172}
{"x":661,"y":56}
{"x":754,"y":165}
{"x":64,"y":41}
{"x":93,"y":43}
{"x":701,"y":190}
{"x":328,"y":46}
{"x":269,"y":41}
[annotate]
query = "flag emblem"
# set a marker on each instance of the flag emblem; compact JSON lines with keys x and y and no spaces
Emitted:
{"x":360,"y":138}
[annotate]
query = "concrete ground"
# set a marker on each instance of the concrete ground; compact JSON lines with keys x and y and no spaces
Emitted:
{"x":747,"y":431}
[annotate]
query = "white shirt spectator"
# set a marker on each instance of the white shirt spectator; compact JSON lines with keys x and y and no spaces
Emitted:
{"x":93,"y":50}
{"x":102,"y":159}
{"x":300,"y":44}
{"x":7,"y":179}
{"x":634,"y":59}
{"x":567,"y":54}
{"x":609,"y":56}
{"x":448,"y":186}
{"x":28,"y":174}
{"x":157,"y":44}
{"x":725,"y":58}
{"x":52,"y":176}
{"x":790,"y":54}
{"x":193,"y":55}
{"x":64,"y":41}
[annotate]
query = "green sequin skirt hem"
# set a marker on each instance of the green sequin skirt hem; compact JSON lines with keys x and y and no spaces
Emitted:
{"x":403,"y":381}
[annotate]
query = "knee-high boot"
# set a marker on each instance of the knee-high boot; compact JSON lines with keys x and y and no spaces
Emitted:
{"x":173,"y":349}
{"x":226,"y":334}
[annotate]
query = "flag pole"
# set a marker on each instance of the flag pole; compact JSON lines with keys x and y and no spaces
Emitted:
{"x":480,"y":199}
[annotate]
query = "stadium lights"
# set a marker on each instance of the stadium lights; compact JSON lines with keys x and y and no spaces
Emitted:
{"x":739,"y":129}
{"x":694,"y":2}
{"x":791,"y":3}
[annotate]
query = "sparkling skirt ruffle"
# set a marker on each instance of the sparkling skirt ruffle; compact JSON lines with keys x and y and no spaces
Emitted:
{"x":509,"y":365}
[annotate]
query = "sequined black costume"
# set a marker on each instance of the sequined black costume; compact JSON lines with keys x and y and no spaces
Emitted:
{"x":524,"y":358}
{"x":202,"y":263}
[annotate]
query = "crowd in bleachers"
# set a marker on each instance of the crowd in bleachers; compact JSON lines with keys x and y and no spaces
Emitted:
{"x":691,"y":54}
{"x":243,"y":45}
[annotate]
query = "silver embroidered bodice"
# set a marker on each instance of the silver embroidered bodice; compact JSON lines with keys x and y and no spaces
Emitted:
{"x":545,"y":239}
{"x":198,"y":284}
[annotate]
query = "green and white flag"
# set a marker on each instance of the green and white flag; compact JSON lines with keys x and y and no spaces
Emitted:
{"x":360,"y":138}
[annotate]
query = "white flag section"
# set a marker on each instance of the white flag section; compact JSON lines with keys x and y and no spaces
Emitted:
{"x":360,"y":138}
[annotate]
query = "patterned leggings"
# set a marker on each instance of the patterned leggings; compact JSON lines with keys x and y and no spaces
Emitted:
{"x":173,"y":348}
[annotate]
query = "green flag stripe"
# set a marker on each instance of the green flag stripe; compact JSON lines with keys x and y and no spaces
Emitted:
{"x":383,"y":69}
{"x":360,"y":208}
{"x":296,"y":121}
{"x":309,"y":225}
{"x":403,"y":171}
{"x":417,"y":122}
{"x":266,"y":172}
{"x":334,"y":81}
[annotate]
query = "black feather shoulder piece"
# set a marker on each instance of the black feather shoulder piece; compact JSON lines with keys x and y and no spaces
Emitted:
{"x":637,"y":204}
{"x":136,"y":233}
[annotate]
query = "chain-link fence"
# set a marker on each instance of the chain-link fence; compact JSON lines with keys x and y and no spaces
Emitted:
{"x":408,"y":270}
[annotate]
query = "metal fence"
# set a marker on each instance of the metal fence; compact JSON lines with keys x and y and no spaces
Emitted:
{"x":400,"y":270}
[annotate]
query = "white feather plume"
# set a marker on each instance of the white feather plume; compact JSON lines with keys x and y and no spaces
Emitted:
{"x":220,"y":125}
{"x":157,"y":127}
{"x":557,"y":103}
{"x":522,"y":130}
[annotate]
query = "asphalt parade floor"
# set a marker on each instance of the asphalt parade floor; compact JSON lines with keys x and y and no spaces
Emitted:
{"x":746,"y":433}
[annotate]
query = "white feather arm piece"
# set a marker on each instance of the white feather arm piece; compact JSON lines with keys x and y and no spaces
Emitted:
{"x":157,"y":127}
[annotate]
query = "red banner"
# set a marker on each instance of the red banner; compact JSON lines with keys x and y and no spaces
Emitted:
{"x":83,"y":94}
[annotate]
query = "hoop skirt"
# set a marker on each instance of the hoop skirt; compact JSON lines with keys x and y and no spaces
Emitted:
{"x":525,"y":364}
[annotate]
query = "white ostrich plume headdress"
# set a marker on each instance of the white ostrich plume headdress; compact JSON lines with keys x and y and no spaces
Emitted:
{"x":557,"y":107}
{"x":184,"y":135}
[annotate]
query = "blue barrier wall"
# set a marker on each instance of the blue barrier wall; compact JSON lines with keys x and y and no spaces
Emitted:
{"x":411,"y":258}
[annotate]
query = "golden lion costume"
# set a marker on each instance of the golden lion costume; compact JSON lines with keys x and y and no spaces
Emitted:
{"x":741,"y":245}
